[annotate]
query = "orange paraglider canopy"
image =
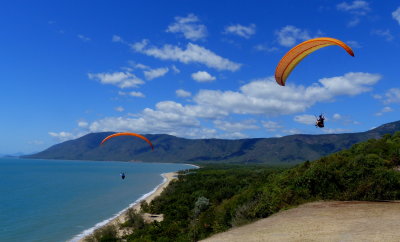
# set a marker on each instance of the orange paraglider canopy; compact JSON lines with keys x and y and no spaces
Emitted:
{"x":128,"y":133}
{"x":293,"y":57}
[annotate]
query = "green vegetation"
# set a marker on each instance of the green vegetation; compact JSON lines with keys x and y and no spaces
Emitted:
{"x":134,"y":220}
{"x":215,"y":198}
{"x":106,"y":233}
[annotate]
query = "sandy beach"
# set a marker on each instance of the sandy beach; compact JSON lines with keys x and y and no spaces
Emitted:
{"x":121,"y":218}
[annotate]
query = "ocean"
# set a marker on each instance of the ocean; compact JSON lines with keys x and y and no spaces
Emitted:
{"x":59,"y":200}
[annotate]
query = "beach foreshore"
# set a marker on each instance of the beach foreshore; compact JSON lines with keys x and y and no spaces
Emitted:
{"x":121,"y":217}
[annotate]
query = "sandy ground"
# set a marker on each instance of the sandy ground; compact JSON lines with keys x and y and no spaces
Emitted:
{"x":324,"y":221}
{"x":121,"y":218}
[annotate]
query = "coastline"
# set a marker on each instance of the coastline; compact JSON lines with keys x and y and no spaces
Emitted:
{"x":120,"y":217}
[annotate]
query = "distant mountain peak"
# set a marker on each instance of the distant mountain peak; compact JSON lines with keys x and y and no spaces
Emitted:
{"x":167,"y":148}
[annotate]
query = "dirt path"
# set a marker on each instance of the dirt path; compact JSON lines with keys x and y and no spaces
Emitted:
{"x":324,"y":221}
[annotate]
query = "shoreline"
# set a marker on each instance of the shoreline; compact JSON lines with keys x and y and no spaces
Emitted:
{"x":146,"y":162}
{"x":120,"y":216}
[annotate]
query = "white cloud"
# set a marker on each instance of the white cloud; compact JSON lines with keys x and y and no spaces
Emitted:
{"x":83,"y":124}
{"x":271,"y":125}
{"x":334,"y":131}
{"x":199,"y":133}
{"x":392,"y":96}
{"x":240,"y":30}
{"x":117,"y":38}
{"x":189,"y":26}
{"x":305,"y":119}
{"x":354,"y":44}
{"x":83,"y":38}
{"x":292,"y":131}
{"x":35,"y":142}
{"x":127,"y":69}
{"x":196,"y":111}
{"x":384,"y":33}
{"x":265,"y":97}
{"x":141,"y":66}
{"x":289,"y":35}
{"x":343,"y":119}
{"x":166,"y":118}
{"x":346,"y":85}
{"x":132,"y":66}
{"x":140,"y":46}
{"x":133,"y":94}
{"x":120,"y":79}
{"x":377,"y":96}
{"x":119,"y":109}
{"x":235,"y":126}
{"x":175,"y":69}
{"x":155,"y":73}
{"x":354,"y":22}
{"x":384,"y":110}
{"x":136,"y":94}
{"x":202,"y":76}
{"x":182,"y":93}
{"x":192,"y":54}
{"x":396,"y":15}
{"x":357,"y":7}
{"x":265,"y":48}
{"x":337,"y":116}
{"x":232,"y":135}
{"x":257,"y":97}
{"x":136,"y":65}
{"x":171,"y":118}
{"x":62,"y":136}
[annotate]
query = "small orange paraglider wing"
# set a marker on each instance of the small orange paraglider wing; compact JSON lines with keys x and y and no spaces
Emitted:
{"x":293,"y":57}
{"x":128,"y":133}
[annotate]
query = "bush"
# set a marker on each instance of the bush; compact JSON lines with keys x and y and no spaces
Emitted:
{"x":200,"y":205}
{"x":144,"y":206}
{"x":106,"y":233}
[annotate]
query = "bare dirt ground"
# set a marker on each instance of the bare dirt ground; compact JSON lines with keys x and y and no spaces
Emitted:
{"x":324,"y":221}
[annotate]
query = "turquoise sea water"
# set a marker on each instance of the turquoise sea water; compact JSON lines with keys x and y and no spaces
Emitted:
{"x":56,"y":200}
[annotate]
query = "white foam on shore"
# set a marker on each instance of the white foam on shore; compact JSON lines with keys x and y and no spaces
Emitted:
{"x":197,"y":167}
{"x":104,"y":222}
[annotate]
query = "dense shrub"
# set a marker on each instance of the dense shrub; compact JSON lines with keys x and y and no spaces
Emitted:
{"x":104,"y":234}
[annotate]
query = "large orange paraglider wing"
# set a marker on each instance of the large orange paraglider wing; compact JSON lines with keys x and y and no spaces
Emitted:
{"x":293,"y":57}
{"x":127,"y":133}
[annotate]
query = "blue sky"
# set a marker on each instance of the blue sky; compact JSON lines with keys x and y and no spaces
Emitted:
{"x":194,"y":69}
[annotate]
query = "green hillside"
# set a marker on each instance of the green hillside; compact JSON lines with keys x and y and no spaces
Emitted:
{"x":216,"y":197}
{"x":289,"y":149}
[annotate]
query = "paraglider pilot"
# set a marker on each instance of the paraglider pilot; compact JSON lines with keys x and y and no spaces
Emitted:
{"x":320,"y":121}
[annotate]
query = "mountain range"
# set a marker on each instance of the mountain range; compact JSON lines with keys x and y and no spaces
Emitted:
{"x":167,"y":148}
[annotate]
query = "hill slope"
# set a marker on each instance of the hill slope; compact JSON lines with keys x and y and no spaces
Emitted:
{"x":217,"y":197}
{"x":323,"y":221}
{"x":288,"y":149}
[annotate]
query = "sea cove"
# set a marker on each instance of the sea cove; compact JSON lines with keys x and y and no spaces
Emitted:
{"x":56,"y":200}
